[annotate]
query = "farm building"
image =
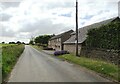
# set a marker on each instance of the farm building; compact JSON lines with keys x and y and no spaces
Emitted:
{"x":69,"y":45}
{"x":66,"y":41}
{"x":57,"y":41}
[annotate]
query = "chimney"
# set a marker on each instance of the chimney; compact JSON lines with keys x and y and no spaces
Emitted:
{"x":119,"y":9}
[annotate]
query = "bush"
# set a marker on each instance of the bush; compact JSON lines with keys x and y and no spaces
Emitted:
{"x":56,"y":53}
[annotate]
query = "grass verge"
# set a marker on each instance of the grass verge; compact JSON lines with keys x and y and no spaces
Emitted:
{"x":39,"y":48}
{"x":105,"y":68}
{"x":10,"y":54}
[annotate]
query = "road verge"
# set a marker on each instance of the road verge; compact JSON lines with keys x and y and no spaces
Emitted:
{"x":10,"y":55}
{"x":104,"y":68}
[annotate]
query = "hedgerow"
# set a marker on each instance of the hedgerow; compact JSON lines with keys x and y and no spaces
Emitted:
{"x":105,"y":37}
{"x":10,"y":54}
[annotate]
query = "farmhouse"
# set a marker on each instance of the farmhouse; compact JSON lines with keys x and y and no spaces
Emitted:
{"x":69,"y":45}
{"x":57,"y":41}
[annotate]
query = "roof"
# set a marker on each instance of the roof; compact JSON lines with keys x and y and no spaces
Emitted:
{"x":83,"y":31}
{"x":60,"y":35}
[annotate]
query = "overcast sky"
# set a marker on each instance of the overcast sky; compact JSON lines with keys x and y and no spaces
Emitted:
{"x":21,"y":20}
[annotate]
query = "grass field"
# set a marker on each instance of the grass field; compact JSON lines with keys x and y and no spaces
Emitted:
{"x":37,"y":47}
{"x":2,"y":45}
{"x":10,"y":54}
{"x":107,"y":69}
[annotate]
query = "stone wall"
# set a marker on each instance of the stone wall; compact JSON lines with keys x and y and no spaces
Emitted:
{"x":72,"y":48}
{"x":107,"y":55}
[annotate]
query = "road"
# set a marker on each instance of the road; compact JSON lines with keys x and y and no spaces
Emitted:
{"x":35,"y":66}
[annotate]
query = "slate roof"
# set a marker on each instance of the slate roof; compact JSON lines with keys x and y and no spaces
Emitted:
{"x":60,"y":35}
{"x":83,"y":31}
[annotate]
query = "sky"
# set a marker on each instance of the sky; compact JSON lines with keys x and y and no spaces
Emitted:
{"x":20,"y":20}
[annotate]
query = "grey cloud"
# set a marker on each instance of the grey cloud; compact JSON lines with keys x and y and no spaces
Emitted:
{"x":10,"y":4}
{"x":6,"y":33}
{"x":59,"y":4}
{"x":43,"y":27}
{"x":5,"y":17}
{"x":9,"y":33}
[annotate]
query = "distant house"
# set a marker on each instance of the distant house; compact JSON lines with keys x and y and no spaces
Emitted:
{"x":69,"y":45}
{"x":57,"y":41}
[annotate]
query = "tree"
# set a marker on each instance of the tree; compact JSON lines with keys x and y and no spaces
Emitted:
{"x":31,"y":42}
{"x":12,"y":43}
{"x":43,"y":39}
{"x":18,"y":42}
{"x":3,"y":42}
{"x":23,"y":43}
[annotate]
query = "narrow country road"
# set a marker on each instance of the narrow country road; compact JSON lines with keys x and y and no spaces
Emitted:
{"x":35,"y":66}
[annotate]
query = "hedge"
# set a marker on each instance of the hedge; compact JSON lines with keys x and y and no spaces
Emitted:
{"x":106,"y":36}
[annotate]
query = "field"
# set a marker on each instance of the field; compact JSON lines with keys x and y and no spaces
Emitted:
{"x":10,"y":54}
{"x":2,"y":45}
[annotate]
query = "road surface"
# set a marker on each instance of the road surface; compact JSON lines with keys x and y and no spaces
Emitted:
{"x":35,"y":66}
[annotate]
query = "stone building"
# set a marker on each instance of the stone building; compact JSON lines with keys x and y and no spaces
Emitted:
{"x":69,"y":45}
{"x":57,"y":41}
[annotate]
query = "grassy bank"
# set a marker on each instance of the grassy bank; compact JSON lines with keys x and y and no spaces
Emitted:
{"x":37,"y":47}
{"x":10,"y":54}
{"x":107,"y":69}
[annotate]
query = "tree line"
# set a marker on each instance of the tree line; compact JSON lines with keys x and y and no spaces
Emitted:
{"x":41,"y":39}
{"x":18,"y":42}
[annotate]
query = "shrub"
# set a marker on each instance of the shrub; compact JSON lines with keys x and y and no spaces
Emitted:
{"x":56,"y":53}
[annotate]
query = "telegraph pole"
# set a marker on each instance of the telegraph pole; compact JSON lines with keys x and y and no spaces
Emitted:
{"x":76,"y":27}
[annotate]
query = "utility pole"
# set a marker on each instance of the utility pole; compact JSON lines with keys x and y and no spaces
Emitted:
{"x":76,"y":27}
